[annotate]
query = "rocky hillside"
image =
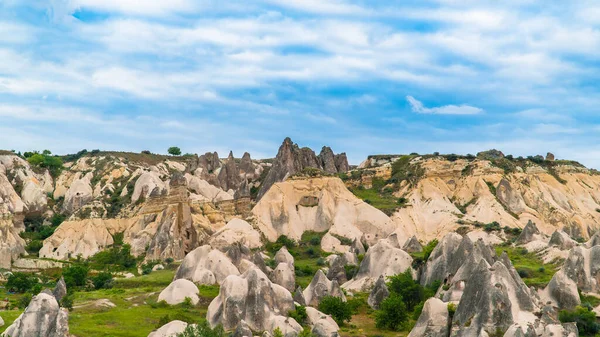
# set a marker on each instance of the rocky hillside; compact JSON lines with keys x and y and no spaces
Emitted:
{"x":424,"y":245}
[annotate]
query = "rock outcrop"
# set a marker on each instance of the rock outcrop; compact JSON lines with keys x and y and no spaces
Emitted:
{"x":42,"y":318}
{"x":236,"y":231}
{"x":291,"y":159}
{"x":60,"y":290}
{"x":433,"y":321}
{"x":284,"y":275}
{"x":322,"y":325}
{"x":528,"y":234}
{"x":383,"y":259}
{"x":253,"y":298}
{"x":171,"y":329}
{"x":205,"y":265}
{"x":78,"y":195}
{"x":379,"y":293}
{"x":321,"y":204}
{"x":178,"y":291}
{"x":319,"y":287}
{"x":412,"y":245}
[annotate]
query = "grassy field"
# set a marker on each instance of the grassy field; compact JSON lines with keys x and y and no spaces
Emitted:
{"x":363,"y":322}
{"x":531,"y":268}
{"x":136,"y":313}
{"x":384,"y":202}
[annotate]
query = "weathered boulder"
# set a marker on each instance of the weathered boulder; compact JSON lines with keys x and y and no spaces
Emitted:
{"x":381,"y":259}
{"x":529,"y":233}
{"x":319,"y":287}
{"x":79,"y":194}
{"x":171,"y":329}
{"x":442,"y":261}
{"x":412,"y":245}
{"x":178,"y":290}
{"x":1,"y":322}
{"x":252,"y":297}
{"x":60,"y":290}
{"x":284,"y":256}
{"x":379,"y":293}
{"x":236,"y":231}
{"x":204,"y":191}
{"x":322,"y":325}
{"x":34,"y":197}
{"x":205,"y":265}
{"x":42,"y":318}
{"x":493,"y":299}
{"x":327,"y":160}
{"x":299,"y":296}
{"x":561,"y":240}
{"x":357,"y":247}
{"x":284,"y":275}
{"x":337,"y":270}
{"x":146,"y":184}
{"x":433,"y":321}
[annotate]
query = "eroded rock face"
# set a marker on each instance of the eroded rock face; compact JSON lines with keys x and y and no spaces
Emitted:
{"x":253,"y":298}
{"x":178,"y":290}
{"x":493,"y":299}
{"x":322,"y":325}
{"x":146,"y":184}
{"x":42,"y":318}
{"x":580,"y":271}
{"x":446,"y":258}
{"x":284,"y":275}
{"x":291,"y":159}
{"x":561,"y":240}
{"x":381,"y":259}
{"x":205,"y":265}
{"x":433,"y":321}
{"x":379,"y":293}
{"x":412,"y":245}
{"x":60,"y":290}
{"x":236,"y":231}
{"x":229,"y":176}
{"x":319,"y":287}
{"x":529,"y":233}
{"x":284,"y":256}
{"x":321,"y":204}
{"x":78,"y":195}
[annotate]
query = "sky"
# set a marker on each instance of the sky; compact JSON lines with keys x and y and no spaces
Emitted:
{"x":364,"y":77}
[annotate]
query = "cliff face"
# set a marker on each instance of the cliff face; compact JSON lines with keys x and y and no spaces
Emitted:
{"x":449,"y":194}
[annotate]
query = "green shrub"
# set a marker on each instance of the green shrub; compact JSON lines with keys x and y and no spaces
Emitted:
{"x":67,"y":302}
{"x":451,"y":310}
{"x":203,"y":330}
{"x":392,"y":313}
{"x":75,"y":275}
{"x":174,"y":151}
{"x":21,"y":282}
{"x":351,"y":271}
{"x":299,"y":314}
{"x":24,"y":301}
{"x":277,"y":332}
{"x":306,"y":332}
{"x":104,"y":280}
{"x":187,"y":303}
{"x":280,"y":242}
{"x":585,"y":319}
{"x":409,"y":290}
{"x":339,"y":310}
{"x":321,"y":262}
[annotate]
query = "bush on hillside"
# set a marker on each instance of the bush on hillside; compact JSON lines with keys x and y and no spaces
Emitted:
{"x":339,"y":310}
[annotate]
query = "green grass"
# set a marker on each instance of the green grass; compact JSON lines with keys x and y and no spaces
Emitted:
{"x":133,"y":315}
{"x":532,"y":269}
{"x":363,"y":321}
{"x":384,"y":202}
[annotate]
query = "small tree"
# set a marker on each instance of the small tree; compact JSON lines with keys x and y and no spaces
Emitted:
{"x":174,"y":151}
{"x":75,"y":276}
{"x":202,"y":330}
{"x":392,"y":313}
{"x":409,"y":290}
{"x":338,"y":309}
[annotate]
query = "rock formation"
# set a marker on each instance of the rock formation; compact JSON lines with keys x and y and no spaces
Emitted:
{"x":171,"y":329}
{"x":382,"y":259}
{"x":412,"y":245}
{"x":379,"y":293}
{"x":60,"y":290}
{"x":433,"y":321}
{"x":321,"y":204}
{"x":42,"y":318}
{"x":284,"y":275}
{"x":253,"y":298}
{"x":319,"y":287}
{"x":206,"y":265}
{"x":236,"y":231}
{"x":291,"y":159}
{"x":178,"y":291}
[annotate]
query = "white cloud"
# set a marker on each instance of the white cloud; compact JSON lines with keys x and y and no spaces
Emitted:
{"x":321,"y":6}
{"x":418,"y":107}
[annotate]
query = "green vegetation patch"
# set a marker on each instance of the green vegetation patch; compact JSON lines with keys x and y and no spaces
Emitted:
{"x":530,"y":267}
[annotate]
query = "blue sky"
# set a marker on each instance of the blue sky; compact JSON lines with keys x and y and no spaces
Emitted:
{"x":364,"y":77}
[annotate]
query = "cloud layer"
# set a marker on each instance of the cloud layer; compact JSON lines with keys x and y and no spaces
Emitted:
{"x":416,"y":76}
